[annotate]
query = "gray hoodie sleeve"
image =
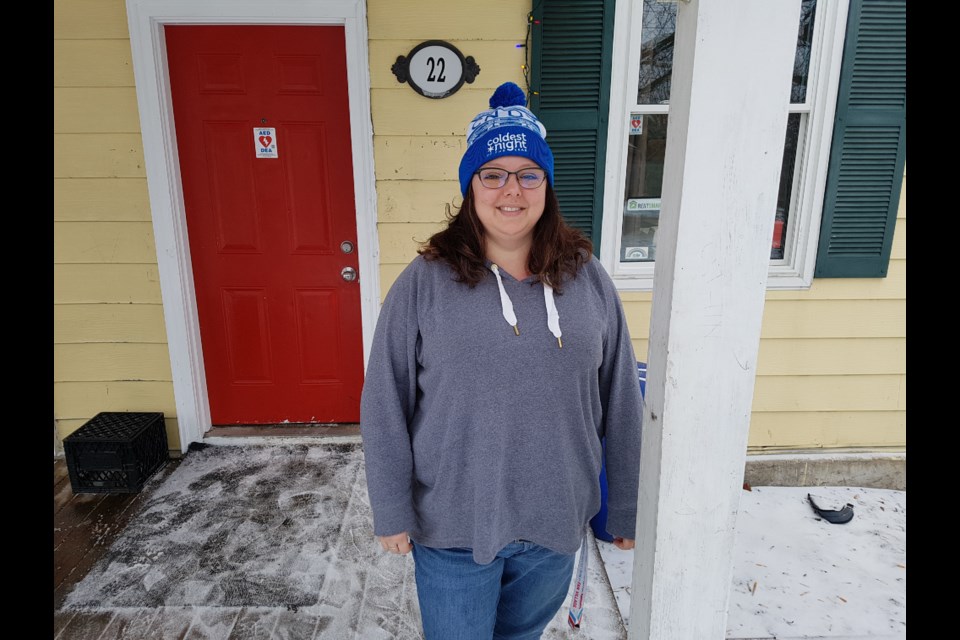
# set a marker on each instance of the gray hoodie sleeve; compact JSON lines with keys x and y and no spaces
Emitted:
{"x":387,"y":404}
{"x":622,"y":418}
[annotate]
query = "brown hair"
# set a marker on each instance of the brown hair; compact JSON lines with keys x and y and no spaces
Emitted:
{"x":558,"y":249}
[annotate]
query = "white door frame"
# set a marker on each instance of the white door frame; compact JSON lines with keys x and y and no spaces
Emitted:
{"x":145,"y":19}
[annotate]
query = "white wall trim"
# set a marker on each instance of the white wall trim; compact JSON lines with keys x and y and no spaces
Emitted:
{"x":829,"y":34}
{"x":145,"y":19}
{"x":621,"y":81}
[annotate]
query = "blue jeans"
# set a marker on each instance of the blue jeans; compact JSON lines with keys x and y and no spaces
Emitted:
{"x":514,"y":597}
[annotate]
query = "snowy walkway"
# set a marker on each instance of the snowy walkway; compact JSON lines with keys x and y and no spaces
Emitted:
{"x":276,"y":542}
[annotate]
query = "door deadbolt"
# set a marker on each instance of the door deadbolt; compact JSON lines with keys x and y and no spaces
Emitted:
{"x":346,"y":246}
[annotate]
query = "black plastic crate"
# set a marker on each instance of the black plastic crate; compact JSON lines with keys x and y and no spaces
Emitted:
{"x":115,"y":452}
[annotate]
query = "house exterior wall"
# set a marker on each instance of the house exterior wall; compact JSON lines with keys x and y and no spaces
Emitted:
{"x":110,"y":345}
{"x":832,"y":361}
{"x":831,"y":370}
{"x":418,"y":141}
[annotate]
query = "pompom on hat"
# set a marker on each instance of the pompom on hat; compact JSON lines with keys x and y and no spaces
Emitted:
{"x":508,"y":128}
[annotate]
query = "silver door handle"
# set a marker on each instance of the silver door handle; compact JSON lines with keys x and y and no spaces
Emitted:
{"x":348,"y":273}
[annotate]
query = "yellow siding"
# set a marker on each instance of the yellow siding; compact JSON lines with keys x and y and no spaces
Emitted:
{"x":432,"y":19}
{"x":103,"y":242}
{"x":87,"y":399}
{"x":95,"y":110}
{"x":831,"y":356}
{"x":92,"y":63}
{"x":827,"y":429}
{"x":899,"y":249}
{"x":99,"y":283}
{"x":437,"y":158}
{"x":66,"y":426}
{"x":89,"y":20}
{"x":388,"y":275}
{"x":98,"y":155}
{"x":808,"y":319}
{"x":106,"y":199}
{"x":819,"y":357}
{"x":636,"y":296}
{"x":401,"y":112}
{"x":108,"y":361}
{"x":421,"y":201}
{"x":105,"y":323}
{"x":902,"y":206}
{"x":834,"y":319}
{"x":399,"y":242}
{"x":110,"y":350}
{"x":829,"y":393}
{"x":893,"y":287}
{"x":640,"y":346}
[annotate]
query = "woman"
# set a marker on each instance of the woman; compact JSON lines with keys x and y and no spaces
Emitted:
{"x":500,"y":360}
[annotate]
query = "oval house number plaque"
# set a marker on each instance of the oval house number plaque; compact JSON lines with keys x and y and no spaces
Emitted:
{"x":435,"y":69}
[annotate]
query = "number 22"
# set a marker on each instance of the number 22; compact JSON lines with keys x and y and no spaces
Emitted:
{"x":434,"y":64}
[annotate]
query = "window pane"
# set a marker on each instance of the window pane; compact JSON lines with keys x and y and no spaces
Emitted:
{"x":801,"y":62}
{"x":641,"y":210}
{"x":656,"y":51}
{"x":647,"y":142}
{"x":786,"y":186}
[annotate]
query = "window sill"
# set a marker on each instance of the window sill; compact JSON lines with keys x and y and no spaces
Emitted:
{"x":779,"y":279}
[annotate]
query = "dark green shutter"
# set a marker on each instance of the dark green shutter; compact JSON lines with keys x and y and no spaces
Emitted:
{"x":869,"y":144}
{"x":570,"y":78}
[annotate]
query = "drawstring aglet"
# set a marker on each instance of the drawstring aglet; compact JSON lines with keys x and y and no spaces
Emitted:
{"x":516,"y":330}
{"x":560,"y":342}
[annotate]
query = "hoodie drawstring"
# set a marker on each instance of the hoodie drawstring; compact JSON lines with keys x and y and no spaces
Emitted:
{"x":506,"y":305}
{"x":553,"y":316}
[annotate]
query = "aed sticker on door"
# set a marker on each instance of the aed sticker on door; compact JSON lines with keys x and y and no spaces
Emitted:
{"x":265,"y":142}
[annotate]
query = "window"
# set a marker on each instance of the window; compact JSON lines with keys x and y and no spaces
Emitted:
{"x":639,"y":112}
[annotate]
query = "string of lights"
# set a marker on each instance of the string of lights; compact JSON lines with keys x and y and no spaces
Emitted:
{"x":525,"y":67}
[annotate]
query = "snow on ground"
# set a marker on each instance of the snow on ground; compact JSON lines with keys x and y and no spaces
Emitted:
{"x":246,"y":535}
{"x":797,"y":576}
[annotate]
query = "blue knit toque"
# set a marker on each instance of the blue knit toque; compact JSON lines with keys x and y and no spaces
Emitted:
{"x":508,"y":128}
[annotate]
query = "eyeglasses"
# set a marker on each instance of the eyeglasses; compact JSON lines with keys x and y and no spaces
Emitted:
{"x":496,"y":178}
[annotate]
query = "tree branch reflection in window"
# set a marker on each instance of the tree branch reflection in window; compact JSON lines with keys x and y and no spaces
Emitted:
{"x":656,"y":52}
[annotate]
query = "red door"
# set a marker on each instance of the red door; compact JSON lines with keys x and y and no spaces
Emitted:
{"x":269,"y":236}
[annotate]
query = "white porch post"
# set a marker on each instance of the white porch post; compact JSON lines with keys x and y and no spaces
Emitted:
{"x":728,"y":112}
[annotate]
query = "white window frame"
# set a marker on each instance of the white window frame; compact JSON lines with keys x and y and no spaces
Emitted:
{"x":795,"y":270}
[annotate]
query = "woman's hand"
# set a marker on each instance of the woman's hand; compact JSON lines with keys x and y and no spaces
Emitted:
{"x":399,"y":543}
{"x":623,"y":543}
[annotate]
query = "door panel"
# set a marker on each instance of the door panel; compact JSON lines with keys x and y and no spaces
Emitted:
{"x":279,"y":326}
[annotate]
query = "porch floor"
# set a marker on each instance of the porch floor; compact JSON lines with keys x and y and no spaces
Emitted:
{"x":239,"y":541}
{"x":84,"y":527}
{"x":342,"y":567}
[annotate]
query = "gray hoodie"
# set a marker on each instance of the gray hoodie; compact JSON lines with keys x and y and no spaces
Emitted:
{"x":475,"y":436}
